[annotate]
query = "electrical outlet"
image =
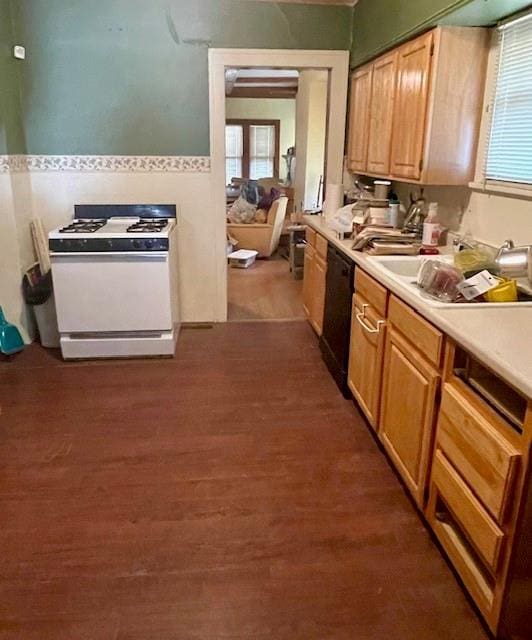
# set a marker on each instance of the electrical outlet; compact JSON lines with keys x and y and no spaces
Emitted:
{"x":19,"y":52}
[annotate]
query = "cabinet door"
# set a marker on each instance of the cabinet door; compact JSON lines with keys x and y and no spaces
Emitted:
{"x":409,"y":394}
{"x":308,"y":280}
{"x":381,"y":117}
{"x":318,"y":303}
{"x":366,"y":352}
{"x":359,"y":108}
{"x":410,"y":109}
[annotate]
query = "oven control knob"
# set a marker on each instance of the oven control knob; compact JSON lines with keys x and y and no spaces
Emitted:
{"x":149,"y":244}
{"x":136,"y":244}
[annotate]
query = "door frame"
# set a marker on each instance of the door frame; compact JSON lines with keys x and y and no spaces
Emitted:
{"x":336,"y":62}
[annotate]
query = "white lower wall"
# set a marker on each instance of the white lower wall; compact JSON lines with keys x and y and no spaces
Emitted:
{"x":10,"y":264}
{"x":52,"y":195}
{"x":311,"y":121}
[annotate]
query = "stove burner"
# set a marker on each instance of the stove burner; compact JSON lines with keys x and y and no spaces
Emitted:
{"x":148,"y":225}
{"x":83,"y":226}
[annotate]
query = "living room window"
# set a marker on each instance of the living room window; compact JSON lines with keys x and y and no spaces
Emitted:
{"x":251,"y":149}
{"x":509,"y":145}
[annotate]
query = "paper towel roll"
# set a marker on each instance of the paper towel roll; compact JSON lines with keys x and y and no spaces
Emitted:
{"x":334,"y":199}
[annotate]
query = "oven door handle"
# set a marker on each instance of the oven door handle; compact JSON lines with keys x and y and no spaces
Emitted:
{"x":140,"y":255}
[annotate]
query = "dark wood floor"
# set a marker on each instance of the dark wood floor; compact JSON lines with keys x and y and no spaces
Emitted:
{"x":230,"y":493}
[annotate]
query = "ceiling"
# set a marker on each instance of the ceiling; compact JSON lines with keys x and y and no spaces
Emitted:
{"x":349,"y":3}
{"x":261,"y":83}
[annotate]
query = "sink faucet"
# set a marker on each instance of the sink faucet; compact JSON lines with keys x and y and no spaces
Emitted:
{"x":507,"y":244}
{"x":462,"y":242}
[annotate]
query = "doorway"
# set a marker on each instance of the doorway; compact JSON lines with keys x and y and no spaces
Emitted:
{"x":275,"y":132}
{"x":335,"y":65}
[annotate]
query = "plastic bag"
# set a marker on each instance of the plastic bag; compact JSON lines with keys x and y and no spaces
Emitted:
{"x":36,"y":288}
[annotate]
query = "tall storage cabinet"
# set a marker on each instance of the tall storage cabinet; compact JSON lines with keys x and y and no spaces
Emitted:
{"x":420,"y":106}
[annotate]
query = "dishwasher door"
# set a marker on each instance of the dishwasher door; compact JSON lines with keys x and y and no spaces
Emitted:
{"x":334,"y":342}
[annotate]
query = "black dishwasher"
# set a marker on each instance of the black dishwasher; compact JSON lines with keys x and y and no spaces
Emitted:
{"x":334,"y":341}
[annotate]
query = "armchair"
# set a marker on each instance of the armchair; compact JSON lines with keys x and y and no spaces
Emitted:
{"x":263,"y":238}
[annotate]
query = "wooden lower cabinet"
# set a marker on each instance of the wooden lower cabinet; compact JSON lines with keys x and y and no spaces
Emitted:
{"x":410,"y":385}
{"x":308,"y":279}
{"x":318,"y":305}
{"x":366,"y":353}
{"x":477,"y":485}
{"x":314,"y":280}
{"x":465,"y":458}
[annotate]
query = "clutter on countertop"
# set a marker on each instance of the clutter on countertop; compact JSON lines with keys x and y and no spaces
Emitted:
{"x":431,"y":231}
{"x":416,"y":214}
{"x":384,"y":239}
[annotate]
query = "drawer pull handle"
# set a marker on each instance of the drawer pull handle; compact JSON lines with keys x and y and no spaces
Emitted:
{"x":361,"y":317}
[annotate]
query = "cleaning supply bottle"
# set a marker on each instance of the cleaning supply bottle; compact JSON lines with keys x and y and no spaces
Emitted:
{"x":431,"y":231}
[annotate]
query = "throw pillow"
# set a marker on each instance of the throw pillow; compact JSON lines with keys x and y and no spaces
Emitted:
{"x":242,"y":211}
{"x":267,"y":200}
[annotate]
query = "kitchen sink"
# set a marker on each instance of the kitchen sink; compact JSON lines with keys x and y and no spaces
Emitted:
{"x":404,"y":269}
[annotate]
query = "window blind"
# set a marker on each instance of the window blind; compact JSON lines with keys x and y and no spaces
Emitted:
{"x":262,"y":151}
{"x":509,"y":156}
{"x":234,"y":146}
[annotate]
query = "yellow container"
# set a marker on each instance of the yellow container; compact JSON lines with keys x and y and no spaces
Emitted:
{"x":473,"y":259}
{"x":506,"y":291}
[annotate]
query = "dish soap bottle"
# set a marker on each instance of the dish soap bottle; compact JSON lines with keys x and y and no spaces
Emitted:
{"x":431,"y":231}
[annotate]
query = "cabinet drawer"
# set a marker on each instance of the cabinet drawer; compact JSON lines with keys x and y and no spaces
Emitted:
{"x":427,"y":339}
{"x":310,"y":236}
{"x":484,"y":458}
{"x":372,"y":291}
{"x":321,"y":246}
{"x":478,"y":526}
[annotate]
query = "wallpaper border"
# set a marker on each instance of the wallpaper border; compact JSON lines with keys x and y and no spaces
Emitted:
{"x":146,"y":164}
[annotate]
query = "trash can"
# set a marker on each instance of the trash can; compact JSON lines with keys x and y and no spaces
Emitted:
{"x":38,"y":293}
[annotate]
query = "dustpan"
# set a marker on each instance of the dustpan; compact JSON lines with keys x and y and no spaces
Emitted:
{"x":10,"y":339}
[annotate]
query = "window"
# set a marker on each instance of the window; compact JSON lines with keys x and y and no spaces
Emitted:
{"x":234,"y":151}
{"x":509,"y":150}
{"x":251,"y":149}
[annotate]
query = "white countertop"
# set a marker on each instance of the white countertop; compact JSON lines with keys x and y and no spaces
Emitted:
{"x":498,"y":337}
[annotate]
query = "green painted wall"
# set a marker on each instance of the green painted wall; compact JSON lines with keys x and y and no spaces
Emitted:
{"x":11,"y":129}
{"x":381,"y":24}
{"x":130,"y":76}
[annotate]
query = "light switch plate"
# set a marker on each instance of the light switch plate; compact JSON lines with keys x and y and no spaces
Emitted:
{"x":19,"y":52}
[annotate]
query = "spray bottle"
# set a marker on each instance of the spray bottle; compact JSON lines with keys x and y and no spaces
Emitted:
{"x":431,"y":231}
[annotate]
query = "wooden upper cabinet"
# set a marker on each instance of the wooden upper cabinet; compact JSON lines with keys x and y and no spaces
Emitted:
{"x":410,"y":109}
{"x":381,"y":114}
{"x":421,"y":118}
{"x":359,"y":113}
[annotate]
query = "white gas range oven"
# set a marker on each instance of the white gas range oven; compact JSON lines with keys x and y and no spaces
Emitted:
{"x":114,"y":271}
